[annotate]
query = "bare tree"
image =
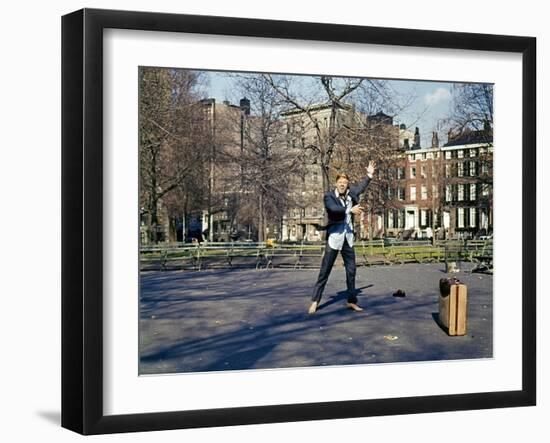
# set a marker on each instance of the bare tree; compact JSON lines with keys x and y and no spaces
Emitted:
{"x":171,"y":130}
{"x":325,"y":133}
{"x":265,"y":165}
{"x":472,"y":108}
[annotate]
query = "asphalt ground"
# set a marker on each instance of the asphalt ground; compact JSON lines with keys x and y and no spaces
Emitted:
{"x":221,"y":320}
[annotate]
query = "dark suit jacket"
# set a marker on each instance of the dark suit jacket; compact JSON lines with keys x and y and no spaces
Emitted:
{"x":336,"y":212}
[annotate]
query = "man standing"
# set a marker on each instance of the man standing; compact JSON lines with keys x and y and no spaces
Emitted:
{"x":341,"y":204}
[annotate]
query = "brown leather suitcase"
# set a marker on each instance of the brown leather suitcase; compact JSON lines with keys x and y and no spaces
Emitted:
{"x":453,"y":306}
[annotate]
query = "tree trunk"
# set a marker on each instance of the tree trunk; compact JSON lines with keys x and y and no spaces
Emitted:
{"x":261,"y":221}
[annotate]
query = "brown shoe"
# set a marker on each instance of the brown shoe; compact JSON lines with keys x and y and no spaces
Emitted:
{"x":312,"y":308}
{"x":354,"y":306}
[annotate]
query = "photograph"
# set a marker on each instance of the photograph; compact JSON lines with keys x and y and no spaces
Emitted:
{"x":296,"y":221}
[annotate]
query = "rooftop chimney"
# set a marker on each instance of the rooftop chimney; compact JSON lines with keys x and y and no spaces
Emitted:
{"x":416,"y":144}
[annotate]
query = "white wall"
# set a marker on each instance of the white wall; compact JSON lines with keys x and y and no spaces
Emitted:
{"x":30,"y":196}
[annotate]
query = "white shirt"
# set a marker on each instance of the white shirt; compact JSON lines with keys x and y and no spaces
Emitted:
{"x":339,"y":232}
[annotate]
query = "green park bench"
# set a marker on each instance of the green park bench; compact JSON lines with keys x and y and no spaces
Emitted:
{"x":374,"y":252}
{"x":168,"y":256}
{"x":455,"y":252}
{"x":482,"y":257}
{"x":229,"y":255}
{"x":416,"y":251}
{"x":309,"y":256}
{"x":282,"y":256}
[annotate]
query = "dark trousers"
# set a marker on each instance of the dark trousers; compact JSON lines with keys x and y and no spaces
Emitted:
{"x":348,"y":254}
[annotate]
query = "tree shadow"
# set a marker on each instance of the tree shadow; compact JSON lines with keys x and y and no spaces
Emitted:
{"x":341,"y":296}
{"x":237,"y":349}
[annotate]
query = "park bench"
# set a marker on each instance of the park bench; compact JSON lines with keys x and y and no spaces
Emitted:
{"x":417,"y":251}
{"x":229,"y":255}
{"x":374,"y":252}
{"x":426,"y":254}
{"x":282,"y":256}
{"x":168,"y":256}
{"x":309,"y":256}
{"x":200,"y":256}
{"x":455,"y":253}
{"x":483,"y":257}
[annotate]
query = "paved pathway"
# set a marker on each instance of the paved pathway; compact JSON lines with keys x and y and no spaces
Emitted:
{"x":247,"y":319}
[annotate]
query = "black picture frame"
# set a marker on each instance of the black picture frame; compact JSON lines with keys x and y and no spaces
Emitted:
{"x":82,"y":218}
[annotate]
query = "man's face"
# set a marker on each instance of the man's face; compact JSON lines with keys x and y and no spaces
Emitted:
{"x":342,"y":185}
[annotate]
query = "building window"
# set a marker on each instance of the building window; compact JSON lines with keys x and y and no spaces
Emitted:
{"x":423,"y":156}
{"x":472,"y":217}
{"x":473,"y":153}
{"x":390,"y":219}
{"x":423,"y":217}
{"x":460,"y":169}
{"x":430,"y":155}
{"x":484,"y":168}
{"x":448,"y":193}
{"x":460,"y":153}
{"x":423,"y":171}
{"x":485,"y":190}
{"x":460,"y":217}
{"x":401,"y":219}
{"x":401,"y":193}
{"x":424,"y":192}
{"x":472,"y":169}
{"x":401,"y":173}
{"x":447,"y":170}
{"x":460,"y":193}
{"x":473,"y":195}
{"x":413,"y":171}
{"x":413,"y":192}
{"x":448,"y":155}
{"x":389,"y":192}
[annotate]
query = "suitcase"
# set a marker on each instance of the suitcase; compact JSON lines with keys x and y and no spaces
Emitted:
{"x":453,"y":306}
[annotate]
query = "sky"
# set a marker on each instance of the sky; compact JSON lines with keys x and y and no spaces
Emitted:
{"x":430,"y":102}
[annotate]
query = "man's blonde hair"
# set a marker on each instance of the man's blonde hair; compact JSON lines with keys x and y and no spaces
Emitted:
{"x":342,"y":175}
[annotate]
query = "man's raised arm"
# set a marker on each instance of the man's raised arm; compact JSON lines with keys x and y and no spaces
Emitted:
{"x":360,"y":187}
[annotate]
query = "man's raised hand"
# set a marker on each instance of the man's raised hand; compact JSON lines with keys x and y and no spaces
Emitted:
{"x":370,"y":168}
